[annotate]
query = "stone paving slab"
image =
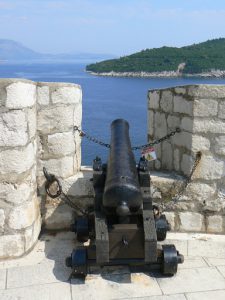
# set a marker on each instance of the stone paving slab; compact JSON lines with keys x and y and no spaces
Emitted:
{"x":43,"y":274}
{"x":217,"y":295}
{"x":2,"y":279}
{"x":53,"y":291}
{"x":192,"y":280}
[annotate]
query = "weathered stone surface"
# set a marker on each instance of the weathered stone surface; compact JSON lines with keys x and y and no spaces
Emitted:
{"x":20,"y":95}
{"x":16,"y":193}
{"x":2,"y":220}
{"x":13,"y":129}
{"x":66,"y":95}
{"x":191,"y":221}
{"x":160,"y":125}
{"x":173,"y":122}
{"x":43,"y":95}
{"x":176,"y":159}
{"x":32,"y":122}
{"x":11,"y":246}
{"x":61,"y":144}
{"x":206,"y":91}
{"x":219,"y":145}
{"x":150,"y":122}
{"x":205,"y":108}
{"x":210,"y":168}
{"x":154,"y":99}
{"x":79,"y":185}
{"x":17,"y":161}
{"x":62,"y":167}
{"x":24,"y":215}
{"x":167,"y":156}
{"x":181,"y":105}
{"x":200,"y":143}
{"x":60,"y":217}
{"x":221,"y":113}
{"x":186,"y":164}
{"x":77,"y":115}
{"x":214,"y":224}
{"x":55,"y":119}
{"x":200,"y":191}
{"x":187,"y":124}
{"x":32,"y":233}
{"x":180,"y":90}
{"x":166,"y":101}
{"x":183,"y":139}
{"x":208,"y":125}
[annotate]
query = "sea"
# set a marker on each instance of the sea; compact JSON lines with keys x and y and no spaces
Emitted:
{"x":104,"y":98}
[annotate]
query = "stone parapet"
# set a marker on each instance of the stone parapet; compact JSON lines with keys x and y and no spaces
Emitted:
{"x":36,"y":130}
{"x":198,"y":111}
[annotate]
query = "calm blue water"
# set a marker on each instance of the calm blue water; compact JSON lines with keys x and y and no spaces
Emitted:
{"x":104,"y":98}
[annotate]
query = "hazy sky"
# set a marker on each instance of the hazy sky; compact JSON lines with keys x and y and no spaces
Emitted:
{"x":110,"y":26}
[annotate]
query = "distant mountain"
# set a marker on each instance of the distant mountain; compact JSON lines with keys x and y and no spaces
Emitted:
{"x":197,"y":58}
{"x":11,"y":50}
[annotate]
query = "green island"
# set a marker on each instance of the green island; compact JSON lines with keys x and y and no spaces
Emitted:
{"x":204,"y":58}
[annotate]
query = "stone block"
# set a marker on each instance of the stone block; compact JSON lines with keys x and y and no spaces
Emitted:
{"x":72,"y":94}
{"x":219,"y":145}
{"x":61,"y":144}
{"x":214,"y":224}
{"x":208,"y":126}
{"x":31,"y":234}
{"x":154,"y":99}
{"x":24,"y":215}
{"x":180,"y":90}
{"x":11,"y":246}
{"x":166,"y":102}
{"x":77,"y":115}
{"x":61,"y":167}
{"x":16,"y":193}
{"x":221,"y":113}
{"x":55,"y":119}
{"x":206,"y":91}
{"x":2,"y":220}
{"x":176,"y":159}
{"x":173,"y":122}
{"x":210,"y":168}
{"x":200,"y":143}
{"x":191,"y":221}
{"x":20,"y":95}
{"x":43,"y":95}
{"x":205,"y":108}
{"x":167,"y":156}
{"x":150,"y":122}
{"x":60,"y":217}
{"x":181,"y":105}
{"x":79,"y":185}
{"x":187,"y":162}
{"x":13,"y":129}
{"x":183,"y":139}
{"x":200,"y":191}
{"x":32,"y":122}
{"x":160,"y":125}
{"x":187,"y":124}
{"x":17,"y":161}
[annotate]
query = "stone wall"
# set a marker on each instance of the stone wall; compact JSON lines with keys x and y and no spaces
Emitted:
{"x":36,"y":130}
{"x":199,"y":111}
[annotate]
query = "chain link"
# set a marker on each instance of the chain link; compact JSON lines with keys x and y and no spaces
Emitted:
{"x":99,"y":142}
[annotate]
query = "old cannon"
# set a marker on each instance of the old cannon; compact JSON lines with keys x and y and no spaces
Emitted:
{"x":125,"y":226}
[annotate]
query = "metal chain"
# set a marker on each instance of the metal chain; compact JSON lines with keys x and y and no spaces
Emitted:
{"x":99,"y":142}
{"x":189,"y":177}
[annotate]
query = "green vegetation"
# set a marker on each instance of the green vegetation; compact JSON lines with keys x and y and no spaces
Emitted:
{"x":198,"y":58}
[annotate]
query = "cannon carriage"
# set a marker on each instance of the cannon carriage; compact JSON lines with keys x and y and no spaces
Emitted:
{"x":125,"y":226}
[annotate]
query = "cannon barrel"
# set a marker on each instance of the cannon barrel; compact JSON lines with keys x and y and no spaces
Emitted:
{"x":122,"y":190}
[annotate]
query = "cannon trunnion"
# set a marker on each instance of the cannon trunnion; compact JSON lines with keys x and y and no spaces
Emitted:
{"x":125,"y":226}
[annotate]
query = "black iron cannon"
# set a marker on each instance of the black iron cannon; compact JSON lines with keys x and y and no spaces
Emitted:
{"x":125,"y":226}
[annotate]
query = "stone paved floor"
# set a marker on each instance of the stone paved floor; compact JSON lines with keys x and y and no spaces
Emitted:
{"x":42,"y":275}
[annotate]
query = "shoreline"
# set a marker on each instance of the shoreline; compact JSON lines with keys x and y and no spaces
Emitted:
{"x":164,"y":74}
